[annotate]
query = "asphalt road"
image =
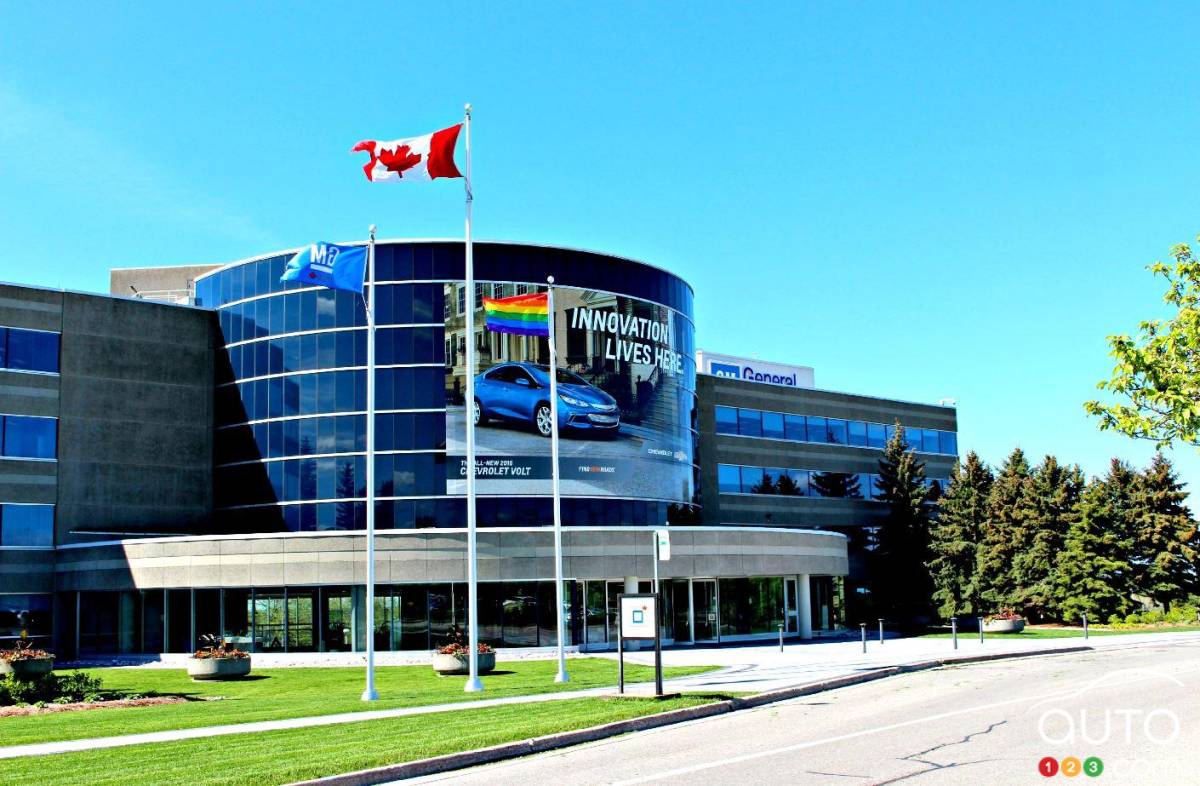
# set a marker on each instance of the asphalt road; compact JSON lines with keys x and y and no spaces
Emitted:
{"x":1136,"y":709}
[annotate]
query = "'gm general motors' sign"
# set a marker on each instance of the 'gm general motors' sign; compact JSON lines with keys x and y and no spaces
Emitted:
{"x":754,"y":370}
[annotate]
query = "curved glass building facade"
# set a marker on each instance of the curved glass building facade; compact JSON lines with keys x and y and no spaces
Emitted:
{"x":290,"y":452}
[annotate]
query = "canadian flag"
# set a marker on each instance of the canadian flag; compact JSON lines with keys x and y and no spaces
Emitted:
{"x":420,"y":158}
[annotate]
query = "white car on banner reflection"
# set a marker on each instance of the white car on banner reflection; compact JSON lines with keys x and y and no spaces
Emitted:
{"x":520,"y":393}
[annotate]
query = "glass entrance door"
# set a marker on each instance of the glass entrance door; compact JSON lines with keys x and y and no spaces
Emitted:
{"x":704,"y":606}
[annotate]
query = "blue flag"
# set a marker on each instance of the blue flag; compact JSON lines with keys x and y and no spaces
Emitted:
{"x":329,"y":265}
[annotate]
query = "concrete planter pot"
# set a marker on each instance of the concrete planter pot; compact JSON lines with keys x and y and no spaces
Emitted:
{"x":29,"y":669}
{"x":461,"y":664}
{"x":1003,"y":626}
{"x":218,"y":668}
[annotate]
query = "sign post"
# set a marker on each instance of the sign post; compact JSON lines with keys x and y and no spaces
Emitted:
{"x":639,"y":621}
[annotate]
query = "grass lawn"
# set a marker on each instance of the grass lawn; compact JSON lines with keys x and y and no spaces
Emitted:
{"x":271,"y":694}
{"x":1064,"y":633}
{"x":297,"y":754}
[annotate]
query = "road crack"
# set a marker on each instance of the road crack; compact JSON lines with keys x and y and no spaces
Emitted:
{"x":931,"y":766}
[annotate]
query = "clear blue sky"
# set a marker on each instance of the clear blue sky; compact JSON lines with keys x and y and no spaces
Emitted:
{"x":920,"y":200}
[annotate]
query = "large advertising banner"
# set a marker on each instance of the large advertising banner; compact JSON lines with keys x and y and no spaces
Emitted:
{"x":625,"y":399}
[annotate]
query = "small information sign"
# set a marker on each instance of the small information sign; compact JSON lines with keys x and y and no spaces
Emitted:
{"x":639,"y":615}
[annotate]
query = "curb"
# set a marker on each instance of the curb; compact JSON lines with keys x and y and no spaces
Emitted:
{"x":512,"y":750}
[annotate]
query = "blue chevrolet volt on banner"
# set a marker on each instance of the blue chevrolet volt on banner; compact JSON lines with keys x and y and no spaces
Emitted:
{"x":520,"y":392}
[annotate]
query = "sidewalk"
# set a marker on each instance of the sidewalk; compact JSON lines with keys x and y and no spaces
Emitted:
{"x":753,"y":669}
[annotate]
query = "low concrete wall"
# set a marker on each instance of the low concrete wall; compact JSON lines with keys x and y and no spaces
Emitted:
{"x":440,"y":555}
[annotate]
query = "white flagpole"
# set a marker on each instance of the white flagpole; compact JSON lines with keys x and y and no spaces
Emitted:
{"x":562,"y":675}
{"x":369,"y":693}
{"x":474,"y":685}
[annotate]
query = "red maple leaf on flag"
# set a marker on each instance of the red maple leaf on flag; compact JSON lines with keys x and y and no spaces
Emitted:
{"x":400,"y":159}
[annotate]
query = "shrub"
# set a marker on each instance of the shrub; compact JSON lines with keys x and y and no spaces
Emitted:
{"x":58,"y":688}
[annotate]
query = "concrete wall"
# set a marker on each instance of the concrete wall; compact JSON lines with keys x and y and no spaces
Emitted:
{"x":136,"y":417}
{"x":155,"y":282}
{"x":440,"y":555}
{"x":134,"y":405}
{"x":731,"y":509}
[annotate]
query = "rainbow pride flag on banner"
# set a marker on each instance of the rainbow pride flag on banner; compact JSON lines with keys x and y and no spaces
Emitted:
{"x":525,"y":315}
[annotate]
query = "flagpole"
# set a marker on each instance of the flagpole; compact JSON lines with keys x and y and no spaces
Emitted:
{"x":562,"y":675}
{"x":369,"y":693}
{"x":473,"y":685}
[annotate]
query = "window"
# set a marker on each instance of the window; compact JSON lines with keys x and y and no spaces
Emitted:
{"x":772,"y":425}
{"x":24,"y":615}
{"x":497,"y":290}
{"x":876,"y":435}
{"x":727,"y":420}
{"x":462,"y":298}
{"x":27,"y":526}
{"x":478,"y":295}
{"x":857,"y":433}
{"x":447,"y":307}
{"x":816,"y":429}
{"x":835,"y":431}
{"x":749,"y":423}
{"x":794,"y":428}
{"x":752,"y":481}
{"x":521,"y":289}
{"x":28,"y":437}
{"x":28,"y":350}
{"x":929,"y":440}
{"x":948,"y":443}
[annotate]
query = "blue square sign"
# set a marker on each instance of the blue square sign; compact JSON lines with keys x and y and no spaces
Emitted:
{"x":639,"y":616}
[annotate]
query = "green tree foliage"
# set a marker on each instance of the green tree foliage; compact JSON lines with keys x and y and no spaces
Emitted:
{"x":957,"y":536}
{"x":1156,"y":382}
{"x":1165,"y":541}
{"x":1006,"y":522}
{"x":1092,"y":570}
{"x":902,"y":584}
{"x":1049,"y":508}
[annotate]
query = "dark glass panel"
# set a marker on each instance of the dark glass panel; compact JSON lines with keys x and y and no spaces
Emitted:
{"x":772,"y":425}
{"x":32,"y":350}
{"x":948,"y":443}
{"x":749,"y":423}
{"x":795,"y":428}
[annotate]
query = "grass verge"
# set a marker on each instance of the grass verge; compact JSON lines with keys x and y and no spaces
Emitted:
{"x":273,"y":694}
{"x":279,"y":757}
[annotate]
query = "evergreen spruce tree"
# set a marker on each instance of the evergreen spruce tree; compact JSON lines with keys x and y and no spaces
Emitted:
{"x":1050,"y":506}
{"x":998,"y":549}
{"x":1091,"y":572}
{"x":1165,"y":541}
{"x":903,"y":587}
{"x":956,"y":538}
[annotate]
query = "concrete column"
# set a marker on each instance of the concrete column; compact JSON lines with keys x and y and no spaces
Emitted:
{"x":631,"y":586}
{"x":804,"y":601}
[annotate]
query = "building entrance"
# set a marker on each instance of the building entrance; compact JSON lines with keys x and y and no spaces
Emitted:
{"x":704,"y":605}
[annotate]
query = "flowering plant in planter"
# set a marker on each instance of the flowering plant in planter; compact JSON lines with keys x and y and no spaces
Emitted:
{"x":1006,"y":621}
{"x":218,"y":661}
{"x":23,"y":650}
{"x":215,"y":647}
{"x":458,"y":648}
{"x":454,"y":657}
{"x":25,"y":662}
